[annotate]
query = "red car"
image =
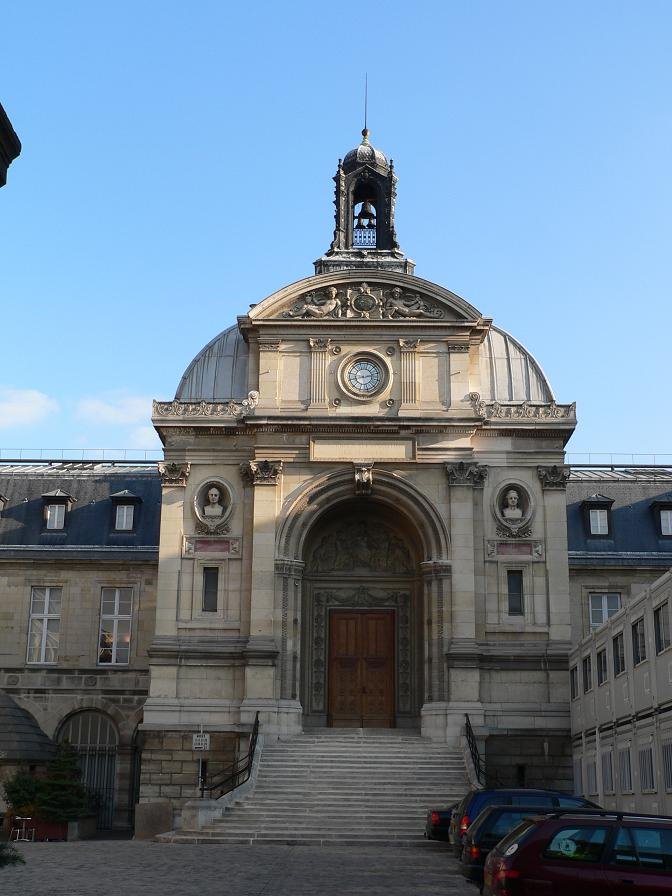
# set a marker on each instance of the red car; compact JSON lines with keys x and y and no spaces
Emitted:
{"x":583,"y":853}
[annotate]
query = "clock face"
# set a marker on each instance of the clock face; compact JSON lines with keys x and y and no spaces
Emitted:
{"x":364,"y":376}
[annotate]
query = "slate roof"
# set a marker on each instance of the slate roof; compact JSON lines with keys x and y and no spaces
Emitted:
{"x":89,"y":522}
{"x":634,"y":537}
{"x":21,"y":738}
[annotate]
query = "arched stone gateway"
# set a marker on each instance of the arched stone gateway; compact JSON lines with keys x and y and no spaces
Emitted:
{"x":361,"y":571}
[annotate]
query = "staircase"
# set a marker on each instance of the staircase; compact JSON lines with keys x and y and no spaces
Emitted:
{"x":341,"y":787}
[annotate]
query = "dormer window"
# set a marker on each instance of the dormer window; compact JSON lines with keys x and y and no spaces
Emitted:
{"x":125,"y":507}
{"x":662,"y":513}
{"x":56,"y":507}
{"x":597,"y":515}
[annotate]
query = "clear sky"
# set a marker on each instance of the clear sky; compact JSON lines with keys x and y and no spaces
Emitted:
{"x":177,"y":163}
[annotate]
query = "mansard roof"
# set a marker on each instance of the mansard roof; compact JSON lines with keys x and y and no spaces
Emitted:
{"x":89,"y":525}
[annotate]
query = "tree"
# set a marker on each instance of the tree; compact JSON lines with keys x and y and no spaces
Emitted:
{"x":60,"y":795}
{"x":9,"y":856}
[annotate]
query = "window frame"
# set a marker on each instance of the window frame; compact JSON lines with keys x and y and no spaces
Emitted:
{"x":620,"y":667}
{"x":510,"y":572}
{"x":638,"y":630}
{"x":116,"y":618}
{"x":602,"y":666}
{"x":604,"y":600}
{"x":662,"y":633}
{"x":646,"y":765}
{"x":587,"y":673}
{"x":59,"y":509}
{"x":574,"y":683}
{"x":124,"y":506}
{"x":625,"y":786}
{"x":204,"y":570}
{"x":45,"y":617}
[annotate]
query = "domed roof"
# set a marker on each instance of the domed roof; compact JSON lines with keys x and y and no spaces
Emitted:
{"x":509,"y":372}
{"x":219,"y":371}
{"x":21,"y":738}
{"x":364,"y":154}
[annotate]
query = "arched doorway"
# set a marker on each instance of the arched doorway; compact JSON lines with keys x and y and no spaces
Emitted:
{"x":362,"y":619}
{"x":95,"y":738}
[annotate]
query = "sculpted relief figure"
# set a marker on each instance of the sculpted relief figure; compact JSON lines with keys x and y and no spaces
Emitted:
{"x":512,"y":509}
{"x":214,"y":506}
{"x":316,"y":305}
{"x":396,"y":305}
{"x":355,"y":545}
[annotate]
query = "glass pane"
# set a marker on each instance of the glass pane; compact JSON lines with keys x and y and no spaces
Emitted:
{"x":654,"y":847}
{"x":35,"y":640}
{"x":578,"y":844}
{"x":666,"y":522}
{"x":51,"y":645}
{"x":38,"y":601}
{"x":54,"y":601}
{"x":108,"y":601}
{"x":55,"y":516}
{"x":124,"y":518}
{"x":613,"y":603}
{"x":123,"y":654}
{"x":123,"y":631}
{"x":624,"y":851}
{"x":125,"y":601}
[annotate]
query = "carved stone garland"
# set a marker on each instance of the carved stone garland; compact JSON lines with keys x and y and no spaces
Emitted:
{"x":261,"y":472}
{"x":364,"y":302}
{"x":174,"y":474}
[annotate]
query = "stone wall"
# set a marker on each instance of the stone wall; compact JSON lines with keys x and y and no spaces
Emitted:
{"x":529,"y":761}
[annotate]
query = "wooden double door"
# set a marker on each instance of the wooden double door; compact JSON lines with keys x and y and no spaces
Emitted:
{"x":361,"y":669}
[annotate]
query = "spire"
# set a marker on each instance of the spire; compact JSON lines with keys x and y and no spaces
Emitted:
{"x":364,"y":236}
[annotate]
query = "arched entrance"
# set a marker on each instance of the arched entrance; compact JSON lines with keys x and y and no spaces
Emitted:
{"x":95,"y":738}
{"x":362,"y":619}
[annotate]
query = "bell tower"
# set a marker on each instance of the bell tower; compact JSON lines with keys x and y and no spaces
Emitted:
{"x":364,"y":236}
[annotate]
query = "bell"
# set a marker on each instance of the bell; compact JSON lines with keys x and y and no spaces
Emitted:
{"x":360,"y":225}
{"x":368,"y":212}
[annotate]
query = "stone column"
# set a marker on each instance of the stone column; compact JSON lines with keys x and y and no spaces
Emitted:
{"x":173,"y":481}
{"x":410,"y":388}
{"x":554,"y":482}
{"x":461,"y":651}
{"x":319,"y":357}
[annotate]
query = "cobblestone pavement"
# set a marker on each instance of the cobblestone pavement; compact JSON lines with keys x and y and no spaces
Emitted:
{"x":133,"y":868}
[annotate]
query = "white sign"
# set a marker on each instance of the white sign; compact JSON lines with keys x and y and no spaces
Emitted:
{"x":201,"y":741}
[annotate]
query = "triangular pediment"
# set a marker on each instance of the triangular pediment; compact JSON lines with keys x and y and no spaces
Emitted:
{"x":365,"y":295}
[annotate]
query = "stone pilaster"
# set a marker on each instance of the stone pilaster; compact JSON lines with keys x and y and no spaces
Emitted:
{"x":319,"y":349}
{"x":553,"y":482}
{"x":410,"y":387}
{"x":288,"y":575}
{"x":437,"y":599}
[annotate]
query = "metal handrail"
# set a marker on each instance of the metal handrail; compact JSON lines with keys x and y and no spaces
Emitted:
{"x":235,"y":774}
{"x":479,"y":764}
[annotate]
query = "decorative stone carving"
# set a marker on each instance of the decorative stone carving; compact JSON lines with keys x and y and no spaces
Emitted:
{"x":354,"y":546}
{"x":12,"y":680}
{"x":361,"y":597}
{"x":409,"y":345}
{"x":513,"y":509}
{"x":206,"y":408}
{"x":363,"y":479}
{"x":364,"y":302}
{"x":521,"y":410}
{"x":463,"y":473}
{"x":553,"y":477}
{"x":261,"y":472}
{"x":320,"y":345}
{"x":212,"y":506}
{"x":211,"y":546}
{"x":459,"y":347}
{"x":174,"y":474}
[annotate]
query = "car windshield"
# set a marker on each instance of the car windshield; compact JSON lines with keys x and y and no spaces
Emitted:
{"x":502,"y":822}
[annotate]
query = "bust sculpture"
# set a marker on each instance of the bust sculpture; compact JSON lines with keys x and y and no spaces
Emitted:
{"x":511,"y":509}
{"x":214,"y":505}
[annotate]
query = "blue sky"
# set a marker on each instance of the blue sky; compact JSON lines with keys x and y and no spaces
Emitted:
{"x":177,"y":163}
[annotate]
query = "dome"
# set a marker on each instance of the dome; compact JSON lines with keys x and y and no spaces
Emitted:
{"x":509,"y":372}
{"x":364,"y":154}
{"x":219,"y":371}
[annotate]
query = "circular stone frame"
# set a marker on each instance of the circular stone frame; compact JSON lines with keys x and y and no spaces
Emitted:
{"x":379,"y":361}
{"x":526,"y":504}
{"x":201,"y":499}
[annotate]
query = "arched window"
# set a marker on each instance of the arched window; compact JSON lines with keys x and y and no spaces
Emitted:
{"x":89,"y":728}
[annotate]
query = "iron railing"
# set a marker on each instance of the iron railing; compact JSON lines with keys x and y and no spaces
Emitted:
{"x":233,"y":775}
{"x":479,"y":764}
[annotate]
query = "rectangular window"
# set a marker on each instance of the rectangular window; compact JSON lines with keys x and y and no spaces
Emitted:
{"x":114,"y":646}
{"x":123,"y":518}
{"x":666,"y":522}
{"x":607,"y":772}
{"x":574,"y":682}
{"x":603,"y":607}
{"x":666,"y":749}
{"x":591,"y":777}
{"x":599,"y":522}
{"x":661,"y":626}
{"x":45,"y":624}
{"x":619,"y":654}
{"x":624,"y":770}
{"x":638,"y":642}
{"x":587,"y":669}
{"x":210,"y":586}
{"x":602,"y":673}
{"x":514,"y":581}
{"x":646,"y":776}
{"x":55,"y":516}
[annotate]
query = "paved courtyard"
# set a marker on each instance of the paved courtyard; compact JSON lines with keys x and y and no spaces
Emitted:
{"x":129,"y":868}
